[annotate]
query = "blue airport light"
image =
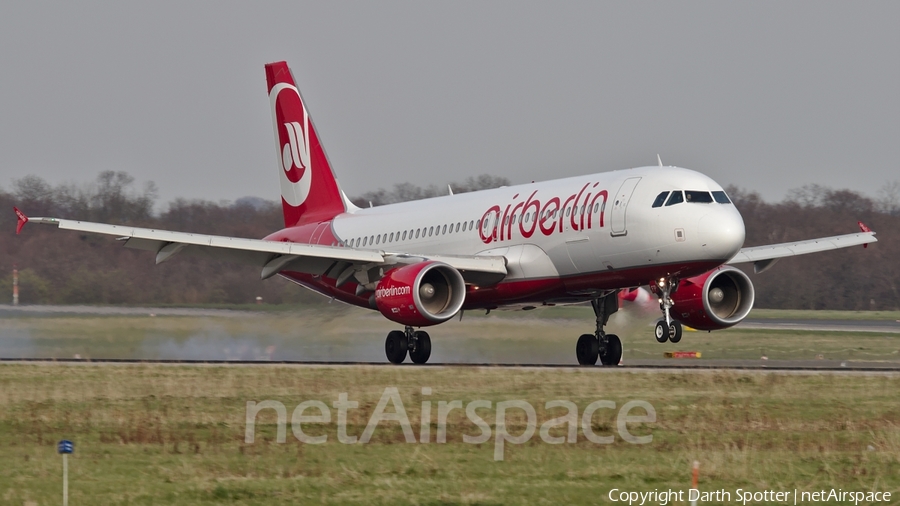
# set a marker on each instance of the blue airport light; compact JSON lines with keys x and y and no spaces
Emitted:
{"x":65,"y":446}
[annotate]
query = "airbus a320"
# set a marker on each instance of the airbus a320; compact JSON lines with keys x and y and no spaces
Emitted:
{"x":574,"y":240}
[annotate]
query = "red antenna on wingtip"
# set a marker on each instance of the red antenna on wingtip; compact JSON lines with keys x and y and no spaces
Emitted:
{"x":22,"y":219}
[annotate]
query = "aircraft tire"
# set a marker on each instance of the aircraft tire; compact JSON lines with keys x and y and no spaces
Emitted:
{"x":613,"y":353}
{"x":422,"y":350}
{"x":587,"y":349}
{"x":675,"y":331}
{"x":661,"y":333}
{"x":396,"y":346}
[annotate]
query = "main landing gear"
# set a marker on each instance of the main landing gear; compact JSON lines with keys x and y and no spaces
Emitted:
{"x":606,"y":347}
{"x":667,"y":329}
{"x":415,"y":342}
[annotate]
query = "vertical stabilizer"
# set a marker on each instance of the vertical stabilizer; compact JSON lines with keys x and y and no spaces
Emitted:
{"x":309,"y":191}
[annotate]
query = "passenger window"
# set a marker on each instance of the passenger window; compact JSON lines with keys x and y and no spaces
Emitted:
{"x":676,"y":198}
{"x":404,"y":235}
{"x":377,"y":239}
{"x":698,"y":197}
{"x":721,"y":198}
{"x":660,"y":199}
{"x":417,"y":233}
{"x":391,"y":237}
{"x":365,"y":241}
{"x":477,"y":223}
{"x":457,"y":226}
{"x":430,"y":231}
{"x":464,"y":226}
{"x":444,"y":230}
{"x":371,"y":239}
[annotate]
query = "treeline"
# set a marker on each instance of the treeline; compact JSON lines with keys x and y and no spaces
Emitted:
{"x":72,"y":268}
{"x":851,"y":278}
{"x":62,"y":267}
{"x":404,"y":192}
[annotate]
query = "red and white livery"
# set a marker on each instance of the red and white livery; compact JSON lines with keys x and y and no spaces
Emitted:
{"x":580,"y":239}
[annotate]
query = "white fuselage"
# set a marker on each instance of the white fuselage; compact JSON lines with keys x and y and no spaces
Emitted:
{"x":612,"y":231}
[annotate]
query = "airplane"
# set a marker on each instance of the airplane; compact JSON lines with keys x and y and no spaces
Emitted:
{"x":592,"y":238}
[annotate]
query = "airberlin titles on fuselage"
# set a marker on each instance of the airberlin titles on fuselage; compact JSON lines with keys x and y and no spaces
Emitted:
{"x":528,"y":216}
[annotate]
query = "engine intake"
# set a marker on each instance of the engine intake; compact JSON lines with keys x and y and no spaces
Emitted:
{"x":715,"y":300}
{"x":426,"y":293}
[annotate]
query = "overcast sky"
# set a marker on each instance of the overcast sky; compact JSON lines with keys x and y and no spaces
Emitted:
{"x":764,"y":95}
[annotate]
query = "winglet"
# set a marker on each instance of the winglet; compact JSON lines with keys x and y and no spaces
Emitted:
{"x":864,"y":228}
{"x":22,"y":219}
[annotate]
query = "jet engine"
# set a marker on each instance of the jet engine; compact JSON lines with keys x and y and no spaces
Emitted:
{"x":426,"y":293}
{"x":715,"y":300}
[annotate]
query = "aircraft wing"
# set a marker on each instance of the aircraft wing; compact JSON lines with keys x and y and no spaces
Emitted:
{"x":764,"y":257}
{"x":273,"y":257}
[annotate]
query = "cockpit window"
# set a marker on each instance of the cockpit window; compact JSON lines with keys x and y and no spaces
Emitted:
{"x":660,"y":199}
{"x":676,"y":198}
{"x":721,"y":197}
{"x":698,"y":197}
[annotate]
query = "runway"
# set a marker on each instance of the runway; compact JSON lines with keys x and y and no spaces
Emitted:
{"x":640,"y":366}
{"x":881,"y":326}
{"x":304,"y":338}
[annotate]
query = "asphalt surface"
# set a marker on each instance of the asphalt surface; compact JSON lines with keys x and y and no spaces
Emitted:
{"x":631,"y":363}
{"x":880,"y":326}
{"x":640,"y":366}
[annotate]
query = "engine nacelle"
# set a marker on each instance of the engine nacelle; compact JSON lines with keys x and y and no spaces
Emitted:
{"x":716,"y":300}
{"x":426,"y":293}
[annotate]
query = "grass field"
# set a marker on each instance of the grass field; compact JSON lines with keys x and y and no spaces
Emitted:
{"x":176,"y":435}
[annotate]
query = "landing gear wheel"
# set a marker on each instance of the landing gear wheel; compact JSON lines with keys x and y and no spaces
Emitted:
{"x":396,"y":346}
{"x":675,"y":331}
{"x":422,"y":348}
{"x":613,"y":352}
{"x":587,"y":349}
{"x":661,"y":332}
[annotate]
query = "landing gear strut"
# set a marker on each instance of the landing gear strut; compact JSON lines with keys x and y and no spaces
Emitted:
{"x":667,"y":329}
{"x":399,"y":343}
{"x":606,"y":347}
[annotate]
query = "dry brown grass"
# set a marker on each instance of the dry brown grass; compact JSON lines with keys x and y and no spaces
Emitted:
{"x":175,"y":434}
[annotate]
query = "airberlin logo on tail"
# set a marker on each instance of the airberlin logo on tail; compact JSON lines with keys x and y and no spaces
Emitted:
{"x":292,"y":131}
{"x":296,"y":151}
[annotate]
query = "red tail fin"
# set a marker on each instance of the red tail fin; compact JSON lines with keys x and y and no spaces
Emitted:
{"x":309,"y":191}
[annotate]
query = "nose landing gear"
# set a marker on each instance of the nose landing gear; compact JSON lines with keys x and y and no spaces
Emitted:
{"x":667,"y":329}
{"x":672,"y":332}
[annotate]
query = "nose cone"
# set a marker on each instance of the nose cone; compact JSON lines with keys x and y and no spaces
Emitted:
{"x":722,"y":233}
